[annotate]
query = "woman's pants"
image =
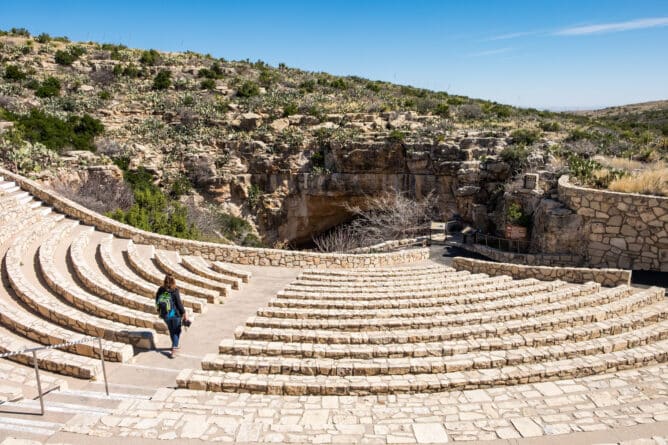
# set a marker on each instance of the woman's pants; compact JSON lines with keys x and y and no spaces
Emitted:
{"x":174,"y":327}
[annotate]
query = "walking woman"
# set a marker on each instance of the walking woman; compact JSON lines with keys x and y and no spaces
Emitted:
{"x":170,"y":307}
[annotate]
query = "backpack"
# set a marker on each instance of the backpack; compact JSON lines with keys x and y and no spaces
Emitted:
{"x":165,"y":305}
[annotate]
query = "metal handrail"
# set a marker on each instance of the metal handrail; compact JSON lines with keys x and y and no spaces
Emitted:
{"x":476,"y":239}
{"x":34,"y":351}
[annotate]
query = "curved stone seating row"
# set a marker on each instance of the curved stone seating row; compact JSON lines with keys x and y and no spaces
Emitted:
{"x":439,"y":364}
{"x":45,"y":304}
{"x":574,"y":300}
{"x":123,"y":275}
{"x":38,"y":329}
{"x":572,"y":318}
{"x":199,"y":266}
{"x":53,"y":360}
{"x":443,"y":278}
{"x":639,"y":319}
{"x":98,"y":284}
{"x":387,"y":383}
{"x":470,"y":295}
{"x":376,"y":273}
{"x":570,"y":299}
{"x":388,"y":286}
{"x":228,"y":269}
{"x":147,"y":270}
{"x":88,"y":303}
{"x":168,"y":265}
{"x":476,"y":284}
{"x":502,"y":302}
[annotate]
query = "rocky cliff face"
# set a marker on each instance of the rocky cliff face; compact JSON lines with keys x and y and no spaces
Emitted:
{"x":297,"y":200}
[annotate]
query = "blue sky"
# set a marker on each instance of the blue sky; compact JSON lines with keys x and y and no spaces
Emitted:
{"x":538,"y":53}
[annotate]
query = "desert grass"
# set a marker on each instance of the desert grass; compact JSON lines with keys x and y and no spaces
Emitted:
{"x":652,"y":181}
{"x":625,"y":164}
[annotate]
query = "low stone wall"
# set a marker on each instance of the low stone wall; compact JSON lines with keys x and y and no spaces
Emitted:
{"x":530,"y":259}
{"x":388,"y":246}
{"x":606,"y":277}
{"x":213,"y":251}
{"x":624,"y":230}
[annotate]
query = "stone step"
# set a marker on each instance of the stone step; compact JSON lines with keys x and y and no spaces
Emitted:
{"x":53,"y":360}
{"x":575,"y":300}
{"x":549,"y":296}
{"x":380,"y":271}
{"x":331,"y":274}
{"x":32,"y":331}
{"x":228,"y":269}
{"x":97,"y":283}
{"x":390,"y":286}
{"x":386,"y":282}
{"x":125,"y":277}
{"x":165,"y":261}
{"x":636,"y":320}
{"x":448,"y":381}
{"x":334,"y":280}
{"x":70,"y":292}
{"x":553,"y":321}
{"x":199,"y":266}
{"x":42,"y":302}
{"x":482,"y":294}
{"x":476,"y":285}
{"x":433,"y":364}
{"x":146,"y":269}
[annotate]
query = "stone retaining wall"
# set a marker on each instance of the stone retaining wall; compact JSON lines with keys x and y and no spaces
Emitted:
{"x":624,"y":230}
{"x":606,"y":277}
{"x":213,"y":251}
{"x":530,"y":259}
{"x":388,"y":246}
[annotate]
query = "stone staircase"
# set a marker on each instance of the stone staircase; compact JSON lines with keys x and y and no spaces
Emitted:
{"x":63,"y":281}
{"x":432,"y":329}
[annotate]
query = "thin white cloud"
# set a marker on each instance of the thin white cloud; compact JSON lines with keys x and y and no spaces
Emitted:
{"x":613,"y":27}
{"x":512,"y":35}
{"x":491,"y":52}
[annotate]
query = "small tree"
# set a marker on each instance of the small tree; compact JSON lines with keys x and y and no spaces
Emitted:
{"x":50,"y":87}
{"x":13,"y":73}
{"x":248,"y":89}
{"x":162,"y":80}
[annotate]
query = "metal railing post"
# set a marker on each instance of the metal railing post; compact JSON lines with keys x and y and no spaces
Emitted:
{"x":104,"y":368}
{"x":39,"y":383}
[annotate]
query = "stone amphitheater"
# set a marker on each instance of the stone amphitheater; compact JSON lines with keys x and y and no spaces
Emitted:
{"x":333,"y":349}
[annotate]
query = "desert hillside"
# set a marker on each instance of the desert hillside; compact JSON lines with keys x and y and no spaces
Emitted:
{"x":240,"y":151}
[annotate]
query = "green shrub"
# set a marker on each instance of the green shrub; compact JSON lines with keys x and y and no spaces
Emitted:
{"x":132,"y":71}
{"x":373,"y":86}
{"x":69,"y":56}
{"x":339,"y":84}
{"x":515,"y":156}
{"x":308,"y":86}
{"x":442,"y":110}
{"x":396,"y":136}
{"x":150,"y":57}
{"x":515,"y":215}
{"x":208,"y":84}
{"x":267,"y":77}
{"x":43,"y":38}
{"x":104,"y":95}
{"x":550,"y":126}
{"x":162,"y":80}
{"x":13,"y":73}
{"x":290,"y":108}
{"x":152,"y":210}
{"x":50,"y":87}
{"x":248,"y":89}
{"x":77,"y":131}
{"x":21,"y":32}
{"x":524,"y":136}
{"x":254,"y":195}
{"x":180,"y":186}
